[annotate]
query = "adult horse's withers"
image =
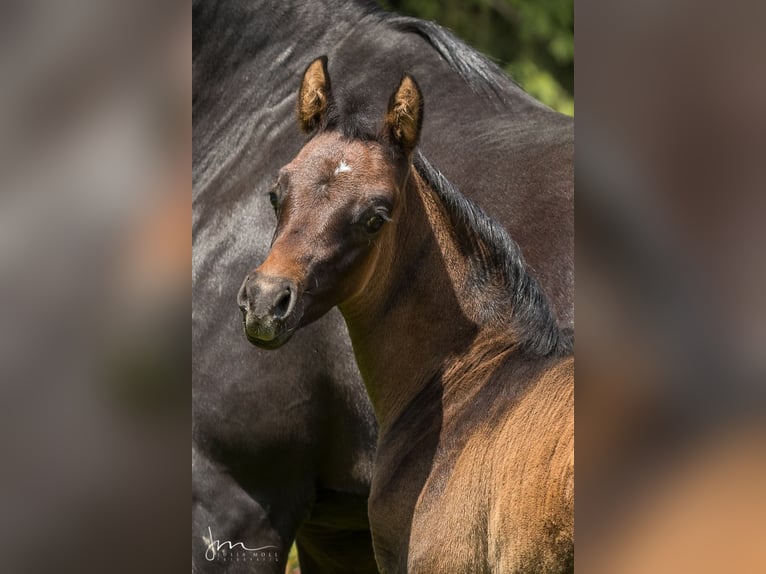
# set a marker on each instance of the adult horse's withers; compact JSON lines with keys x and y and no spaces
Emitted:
{"x":282,"y":443}
{"x":471,"y":378}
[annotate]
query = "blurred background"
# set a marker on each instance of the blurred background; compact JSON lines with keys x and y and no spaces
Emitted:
{"x":95,"y":262}
{"x":670,"y":194}
{"x":95,"y":108}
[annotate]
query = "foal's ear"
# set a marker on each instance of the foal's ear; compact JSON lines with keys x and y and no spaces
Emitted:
{"x":314,"y":96}
{"x":405,"y":114}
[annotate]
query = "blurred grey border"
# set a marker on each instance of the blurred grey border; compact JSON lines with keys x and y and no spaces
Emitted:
{"x":95,"y":263}
{"x":670,"y":203}
{"x":95,"y":106}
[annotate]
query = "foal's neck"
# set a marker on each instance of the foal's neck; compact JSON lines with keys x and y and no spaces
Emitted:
{"x":408,"y":324}
{"x":420,"y":313}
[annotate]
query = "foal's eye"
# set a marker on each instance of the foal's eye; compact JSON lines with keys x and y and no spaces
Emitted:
{"x":374,"y":223}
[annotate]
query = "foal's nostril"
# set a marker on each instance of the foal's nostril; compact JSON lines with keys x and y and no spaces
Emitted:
{"x":242,"y":297}
{"x":282,"y":304}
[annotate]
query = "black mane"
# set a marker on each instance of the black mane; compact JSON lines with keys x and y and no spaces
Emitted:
{"x":482,"y":75}
{"x":349,"y":113}
{"x":499,"y":269}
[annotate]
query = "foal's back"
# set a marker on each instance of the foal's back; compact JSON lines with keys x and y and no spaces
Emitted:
{"x":532,"y":486}
{"x":500,"y":497}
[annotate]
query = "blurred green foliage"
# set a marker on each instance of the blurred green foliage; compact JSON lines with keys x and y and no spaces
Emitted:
{"x":292,"y":566}
{"x":533,"y":40}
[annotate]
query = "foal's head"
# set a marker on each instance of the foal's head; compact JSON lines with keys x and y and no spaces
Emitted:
{"x":333,"y":203}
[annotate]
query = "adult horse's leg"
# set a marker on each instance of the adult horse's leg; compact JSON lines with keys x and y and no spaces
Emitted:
{"x":222,"y":511}
{"x":335,"y":536}
{"x":253,"y":464}
{"x":326,"y":547}
{"x":279,"y":438}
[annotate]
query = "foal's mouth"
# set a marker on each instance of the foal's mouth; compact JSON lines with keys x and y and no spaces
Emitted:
{"x":267,"y":336}
{"x":272,"y":344}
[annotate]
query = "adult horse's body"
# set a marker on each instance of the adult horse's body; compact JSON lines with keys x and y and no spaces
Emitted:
{"x":471,"y":379}
{"x":283,"y":443}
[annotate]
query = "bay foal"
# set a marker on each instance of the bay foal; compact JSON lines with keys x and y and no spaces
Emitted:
{"x":470,"y":378}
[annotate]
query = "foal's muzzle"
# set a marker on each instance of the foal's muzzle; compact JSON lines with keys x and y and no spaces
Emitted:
{"x":268,"y":307}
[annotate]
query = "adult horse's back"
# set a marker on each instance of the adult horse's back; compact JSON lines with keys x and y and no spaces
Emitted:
{"x":283,"y":442}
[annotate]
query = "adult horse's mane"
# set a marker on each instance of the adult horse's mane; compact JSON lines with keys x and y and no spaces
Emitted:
{"x":498,"y":263}
{"x":482,"y":75}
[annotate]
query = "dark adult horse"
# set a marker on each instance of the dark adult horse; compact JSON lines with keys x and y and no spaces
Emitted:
{"x":283,"y":443}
